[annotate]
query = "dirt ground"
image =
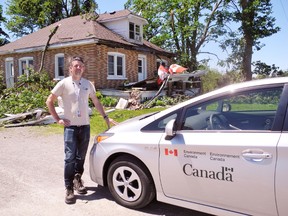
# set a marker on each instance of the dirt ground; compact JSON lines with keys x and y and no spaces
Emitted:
{"x":31,"y":180}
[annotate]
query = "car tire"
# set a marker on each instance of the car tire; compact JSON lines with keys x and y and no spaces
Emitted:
{"x":130,"y":183}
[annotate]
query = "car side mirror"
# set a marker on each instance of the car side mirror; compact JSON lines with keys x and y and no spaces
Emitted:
{"x":226,"y":107}
{"x":169,"y":130}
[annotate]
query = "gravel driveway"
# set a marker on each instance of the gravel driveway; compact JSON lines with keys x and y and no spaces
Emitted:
{"x":31,"y":180}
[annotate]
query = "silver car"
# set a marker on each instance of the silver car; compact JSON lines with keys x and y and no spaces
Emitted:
{"x":223,"y":153}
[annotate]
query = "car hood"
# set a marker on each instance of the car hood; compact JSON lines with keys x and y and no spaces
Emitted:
{"x":134,"y":123}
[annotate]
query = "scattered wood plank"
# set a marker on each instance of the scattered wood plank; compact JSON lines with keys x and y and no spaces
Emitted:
{"x":35,"y":117}
{"x":41,"y":121}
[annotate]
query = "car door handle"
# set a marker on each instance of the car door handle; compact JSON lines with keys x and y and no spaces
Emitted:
{"x":255,"y":155}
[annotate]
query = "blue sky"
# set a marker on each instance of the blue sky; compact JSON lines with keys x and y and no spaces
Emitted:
{"x":275,"y":50}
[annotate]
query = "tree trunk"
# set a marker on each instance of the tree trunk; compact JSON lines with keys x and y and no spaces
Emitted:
{"x":247,"y":58}
{"x":193,"y":61}
{"x":248,"y":16}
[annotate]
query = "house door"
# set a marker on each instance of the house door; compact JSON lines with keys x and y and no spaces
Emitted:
{"x":142,"y":68}
{"x":9,"y":68}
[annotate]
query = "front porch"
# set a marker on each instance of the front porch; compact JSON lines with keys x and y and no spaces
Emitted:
{"x":177,"y":84}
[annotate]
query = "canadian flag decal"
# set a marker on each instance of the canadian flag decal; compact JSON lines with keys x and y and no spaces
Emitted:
{"x":173,"y":152}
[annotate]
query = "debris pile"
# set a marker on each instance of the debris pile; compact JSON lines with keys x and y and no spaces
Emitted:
{"x":134,"y":102}
{"x":35,"y":117}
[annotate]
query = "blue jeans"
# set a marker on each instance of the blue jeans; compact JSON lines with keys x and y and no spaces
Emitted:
{"x":76,"y":141}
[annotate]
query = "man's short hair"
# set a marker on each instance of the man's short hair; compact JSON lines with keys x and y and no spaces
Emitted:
{"x":76,"y":58}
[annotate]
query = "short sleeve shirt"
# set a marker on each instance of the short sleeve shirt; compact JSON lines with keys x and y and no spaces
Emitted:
{"x":75,"y":96}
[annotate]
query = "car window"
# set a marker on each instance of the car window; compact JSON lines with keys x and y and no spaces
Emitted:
{"x":249,"y":110}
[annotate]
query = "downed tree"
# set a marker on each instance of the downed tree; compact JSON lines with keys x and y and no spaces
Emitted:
{"x":53,"y":32}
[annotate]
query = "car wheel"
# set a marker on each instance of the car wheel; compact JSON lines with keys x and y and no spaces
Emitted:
{"x":130,"y":183}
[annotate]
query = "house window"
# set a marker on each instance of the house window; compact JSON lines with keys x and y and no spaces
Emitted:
{"x":134,"y":31}
{"x":25,"y":64}
{"x":116,"y":65}
{"x":131,"y":31}
{"x":59,"y":66}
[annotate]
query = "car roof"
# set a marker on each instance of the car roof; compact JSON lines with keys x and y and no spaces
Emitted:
{"x":231,"y":88}
{"x":247,"y":84}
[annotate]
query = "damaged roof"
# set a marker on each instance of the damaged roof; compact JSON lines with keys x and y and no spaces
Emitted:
{"x":77,"y":30}
{"x":116,"y":15}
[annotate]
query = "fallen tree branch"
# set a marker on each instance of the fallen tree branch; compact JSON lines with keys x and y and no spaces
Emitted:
{"x":53,"y":31}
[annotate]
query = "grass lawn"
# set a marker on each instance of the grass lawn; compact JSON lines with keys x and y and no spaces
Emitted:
{"x":98,"y":125}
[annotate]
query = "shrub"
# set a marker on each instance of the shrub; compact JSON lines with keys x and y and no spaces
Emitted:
{"x":109,"y":101}
{"x":2,"y":83}
{"x":31,"y":92}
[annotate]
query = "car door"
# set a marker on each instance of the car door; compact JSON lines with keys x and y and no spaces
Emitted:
{"x":211,"y":162}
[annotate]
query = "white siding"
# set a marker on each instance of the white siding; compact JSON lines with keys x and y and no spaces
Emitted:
{"x":121,"y":27}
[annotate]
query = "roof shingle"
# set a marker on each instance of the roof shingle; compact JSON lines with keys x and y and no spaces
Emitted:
{"x":72,"y":30}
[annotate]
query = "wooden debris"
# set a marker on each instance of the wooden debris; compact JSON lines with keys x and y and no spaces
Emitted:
{"x":35,"y":117}
{"x":41,"y":121}
{"x":134,"y":100}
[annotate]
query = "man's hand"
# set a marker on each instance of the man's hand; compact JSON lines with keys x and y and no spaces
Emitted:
{"x":64,"y":122}
{"x":113,"y":122}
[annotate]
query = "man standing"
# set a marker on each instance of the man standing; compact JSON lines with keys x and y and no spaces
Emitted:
{"x":75,"y":92}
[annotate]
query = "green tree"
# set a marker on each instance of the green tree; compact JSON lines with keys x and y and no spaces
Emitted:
{"x":210,"y":81}
{"x":182,"y":26}
{"x":256,"y":23}
{"x":262,"y":70}
{"x":3,"y":35}
{"x":31,"y":93}
{"x":27,"y":16}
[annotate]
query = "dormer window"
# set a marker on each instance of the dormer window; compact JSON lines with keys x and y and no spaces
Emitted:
{"x":134,"y":32}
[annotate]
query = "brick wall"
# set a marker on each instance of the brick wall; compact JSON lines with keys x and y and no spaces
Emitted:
{"x":95,"y":57}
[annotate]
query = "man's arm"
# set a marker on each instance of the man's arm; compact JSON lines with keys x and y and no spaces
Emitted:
{"x":100,"y":108}
{"x":50,"y":104}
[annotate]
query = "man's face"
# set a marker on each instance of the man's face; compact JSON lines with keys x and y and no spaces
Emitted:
{"x":76,"y":69}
